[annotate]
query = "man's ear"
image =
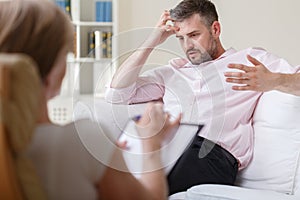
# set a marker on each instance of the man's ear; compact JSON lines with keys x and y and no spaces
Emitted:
{"x":216,"y":29}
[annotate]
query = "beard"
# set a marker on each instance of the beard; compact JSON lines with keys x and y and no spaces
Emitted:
{"x":202,"y":55}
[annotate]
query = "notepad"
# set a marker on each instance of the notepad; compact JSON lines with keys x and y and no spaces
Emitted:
{"x":171,"y":149}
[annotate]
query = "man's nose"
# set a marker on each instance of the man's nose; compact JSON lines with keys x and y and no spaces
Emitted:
{"x":188,"y":43}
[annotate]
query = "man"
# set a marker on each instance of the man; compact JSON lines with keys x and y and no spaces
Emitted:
{"x":196,"y":86}
{"x":259,"y":78}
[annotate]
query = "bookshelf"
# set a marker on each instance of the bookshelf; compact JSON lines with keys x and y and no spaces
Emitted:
{"x":90,"y":66}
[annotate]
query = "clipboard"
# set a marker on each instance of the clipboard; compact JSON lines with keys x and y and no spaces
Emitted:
{"x":172,"y":148}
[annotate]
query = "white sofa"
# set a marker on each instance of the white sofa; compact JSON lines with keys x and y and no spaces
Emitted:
{"x":274,"y":172}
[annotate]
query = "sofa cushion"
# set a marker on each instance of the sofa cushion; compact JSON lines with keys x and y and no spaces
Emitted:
{"x":277,"y":144}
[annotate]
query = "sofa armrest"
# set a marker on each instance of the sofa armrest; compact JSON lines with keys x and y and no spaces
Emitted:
{"x":111,"y":118}
{"x":225,"y":192}
{"x":177,"y":196}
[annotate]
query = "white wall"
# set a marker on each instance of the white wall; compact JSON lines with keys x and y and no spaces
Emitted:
{"x":271,"y":24}
{"x":136,"y":20}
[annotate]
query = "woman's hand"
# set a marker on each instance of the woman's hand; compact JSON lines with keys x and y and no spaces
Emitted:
{"x":155,"y":126}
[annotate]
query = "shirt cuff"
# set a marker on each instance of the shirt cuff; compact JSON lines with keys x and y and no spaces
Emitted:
{"x":119,"y":95}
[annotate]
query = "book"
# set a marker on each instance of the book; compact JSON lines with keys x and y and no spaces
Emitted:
{"x":75,"y":10}
{"x":100,"y":10}
{"x":68,"y":7}
{"x":103,"y":10}
{"x":108,"y":11}
{"x":104,"y":44}
{"x":100,"y":44}
{"x":109,"y":44}
{"x":91,"y":44}
{"x":65,"y":5}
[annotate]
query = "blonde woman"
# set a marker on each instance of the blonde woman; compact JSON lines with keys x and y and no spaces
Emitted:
{"x":66,"y":168}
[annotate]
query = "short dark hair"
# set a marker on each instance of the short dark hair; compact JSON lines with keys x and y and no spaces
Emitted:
{"x":186,"y":8}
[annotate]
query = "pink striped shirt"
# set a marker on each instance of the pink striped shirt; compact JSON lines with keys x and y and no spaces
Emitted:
{"x":202,"y":95}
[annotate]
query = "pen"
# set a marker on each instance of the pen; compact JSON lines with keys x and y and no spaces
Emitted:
{"x":136,"y":118}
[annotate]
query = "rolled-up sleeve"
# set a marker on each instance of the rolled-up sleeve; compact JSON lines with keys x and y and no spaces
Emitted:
{"x":297,"y":69}
{"x":119,"y":95}
{"x":146,"y":88}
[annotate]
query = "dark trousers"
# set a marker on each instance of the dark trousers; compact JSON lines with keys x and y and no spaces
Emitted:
{"x":211,"y":164}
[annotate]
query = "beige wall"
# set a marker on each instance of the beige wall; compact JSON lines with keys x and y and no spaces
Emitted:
{"x":271,"y":24}
{"x":135,"y":21}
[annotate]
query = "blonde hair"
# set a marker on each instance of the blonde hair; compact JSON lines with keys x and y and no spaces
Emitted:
{"x":37,"y":28}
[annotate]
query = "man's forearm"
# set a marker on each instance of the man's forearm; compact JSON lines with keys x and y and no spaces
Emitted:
{"x":288,"y":83}
{"x":129,"y":71}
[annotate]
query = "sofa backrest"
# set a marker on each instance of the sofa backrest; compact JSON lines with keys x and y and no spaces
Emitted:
{"x":275,"y":163}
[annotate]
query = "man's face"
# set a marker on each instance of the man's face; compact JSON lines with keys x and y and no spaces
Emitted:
{"x":196,"y":40}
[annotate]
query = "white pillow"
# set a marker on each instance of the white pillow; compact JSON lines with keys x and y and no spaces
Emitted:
{"x":277,"y":144}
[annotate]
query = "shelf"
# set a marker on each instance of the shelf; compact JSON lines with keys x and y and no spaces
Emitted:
{"x":92,"y":23}
{"x":88,"y":60}
{"x":88,"y":74}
